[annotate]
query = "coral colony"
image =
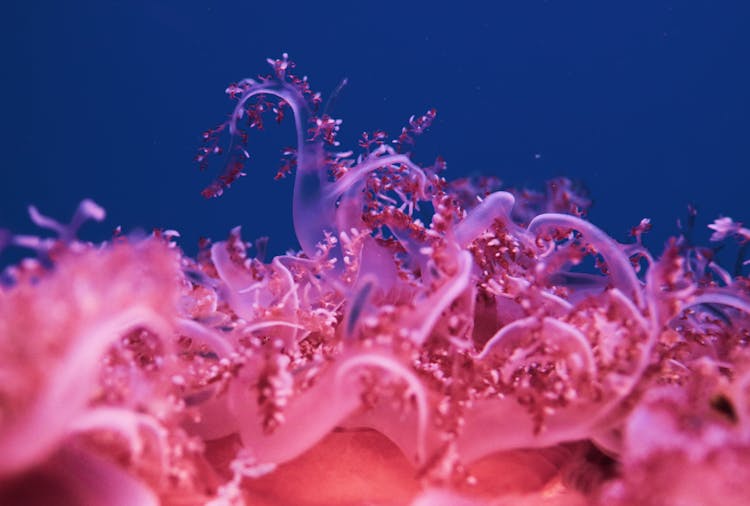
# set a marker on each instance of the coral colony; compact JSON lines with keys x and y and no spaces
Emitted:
{"x":433,"y":342}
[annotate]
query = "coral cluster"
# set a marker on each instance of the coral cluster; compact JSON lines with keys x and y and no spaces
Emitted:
{"x":433,"y":342}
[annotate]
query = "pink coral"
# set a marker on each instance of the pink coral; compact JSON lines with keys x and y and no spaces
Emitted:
{"x":459,"y":356}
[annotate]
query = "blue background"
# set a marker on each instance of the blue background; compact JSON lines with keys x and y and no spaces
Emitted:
{"x":645,"y":102}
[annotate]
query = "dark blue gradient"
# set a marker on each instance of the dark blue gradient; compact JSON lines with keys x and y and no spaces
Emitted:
{"x":647,"y":103}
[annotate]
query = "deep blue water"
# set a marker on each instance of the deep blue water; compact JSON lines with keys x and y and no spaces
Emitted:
{"x":647,"y":103}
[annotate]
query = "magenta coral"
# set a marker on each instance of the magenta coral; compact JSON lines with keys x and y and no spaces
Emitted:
{"x":433,"y":342}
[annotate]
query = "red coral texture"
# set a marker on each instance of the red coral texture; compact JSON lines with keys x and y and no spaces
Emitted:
{"x":433,"y":342}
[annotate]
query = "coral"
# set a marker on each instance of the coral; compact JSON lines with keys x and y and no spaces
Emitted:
{"x":433,"y":342}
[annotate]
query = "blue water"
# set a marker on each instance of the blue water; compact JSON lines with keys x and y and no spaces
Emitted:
{"x":647,"y":103}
